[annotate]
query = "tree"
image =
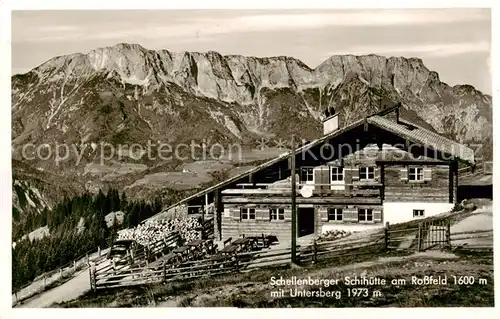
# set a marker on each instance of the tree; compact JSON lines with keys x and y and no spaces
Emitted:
{"x":30,"y":259}
{"x":123,"y":202}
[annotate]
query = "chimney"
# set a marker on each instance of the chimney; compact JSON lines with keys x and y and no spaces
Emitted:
{"x":331,"y":121}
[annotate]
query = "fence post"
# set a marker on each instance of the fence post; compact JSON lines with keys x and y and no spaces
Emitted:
{"x":90,"y":280}
{"x":448,"y":234}
{"x":164,"y":272}
{"x":386,"y":236}
{"x":74,"y":265}
{"x":87,"y":258}
{"x":93,"y":271}
{"x":315,"y":251}
{"x":44,"y":282}
{"x":419,"y":245}
{"x":60,"y":273}
{"x":98,"y":251}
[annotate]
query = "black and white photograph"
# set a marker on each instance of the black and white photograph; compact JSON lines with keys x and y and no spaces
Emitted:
{"x":250,"y":158}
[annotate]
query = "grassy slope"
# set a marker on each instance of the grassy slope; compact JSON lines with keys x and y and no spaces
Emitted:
{"x":253,"y":289}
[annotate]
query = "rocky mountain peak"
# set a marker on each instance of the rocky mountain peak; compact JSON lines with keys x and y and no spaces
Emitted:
{"x":127,"y":92}
{"x":228,"y":77}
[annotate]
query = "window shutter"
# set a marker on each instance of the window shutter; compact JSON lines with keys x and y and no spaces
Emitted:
{"x":288,"y":214}
{"x":324,"y":213}
{"x":350,"y":215}
{"x":377,"y":174}
{"x":377,"y":216}
{"x":354,"y":215}
{"x":345,"y":215}
{"x":355,"y":175}
{"x":236,"y":213}
{"x":227,"y":213}
{"x":317,"y":180}
{"x":403,"y":176}
{"x":348,"y":180}
{"x":325,"y":178}
{"x":427,"y":174}
{"x":262,"y":214}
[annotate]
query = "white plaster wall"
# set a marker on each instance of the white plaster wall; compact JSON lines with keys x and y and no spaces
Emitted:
{"x":399,"y":212}
{"x":331,"y":124}
{"x":394,"y":213}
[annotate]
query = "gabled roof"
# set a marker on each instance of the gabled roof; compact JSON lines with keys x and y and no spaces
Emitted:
{"x":417,"y":135}
{"x":425,"y":137}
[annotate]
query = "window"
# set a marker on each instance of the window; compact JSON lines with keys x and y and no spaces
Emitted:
{"x":247,"y":213}
{"x":365,"y":215}
{"x":307,"y":174}
{"x":337,"y":174}
{"x":418,"y":213}
{"x":334,"y":214}
{"x":277,"y":214}
{"x":367,"y":173}
{"x":415,"y":174}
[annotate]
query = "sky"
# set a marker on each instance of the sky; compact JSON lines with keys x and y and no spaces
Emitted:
{"x":454,"y":42}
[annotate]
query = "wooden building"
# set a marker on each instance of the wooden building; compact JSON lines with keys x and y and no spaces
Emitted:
{"x":378,"y":169}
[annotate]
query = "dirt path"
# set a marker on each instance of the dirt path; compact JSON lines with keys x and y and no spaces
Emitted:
{"x":38,"y":285}
{"x":70,"y":290}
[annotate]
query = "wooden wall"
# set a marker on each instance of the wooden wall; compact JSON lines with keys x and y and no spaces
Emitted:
{"x":351,"y":164}
{"x":350,"y":216}
{"x":233,"y":227}
{"x":398,"y":189}
{"x":437,"y":189}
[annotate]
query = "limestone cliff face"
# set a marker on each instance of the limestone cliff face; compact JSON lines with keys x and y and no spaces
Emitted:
{"x":128,"y":94}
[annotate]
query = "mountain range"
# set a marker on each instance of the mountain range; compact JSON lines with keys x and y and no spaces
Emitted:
{"x":126,"y":94}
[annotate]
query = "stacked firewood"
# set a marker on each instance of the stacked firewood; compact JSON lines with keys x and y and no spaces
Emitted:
{"x":334,"y":234}
{"x":153,"y":231}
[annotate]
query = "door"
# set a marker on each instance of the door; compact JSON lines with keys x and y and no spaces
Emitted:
{"x":305,"y":221}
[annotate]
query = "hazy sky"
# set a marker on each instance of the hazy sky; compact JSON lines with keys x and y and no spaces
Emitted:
{"x":453,"y":42}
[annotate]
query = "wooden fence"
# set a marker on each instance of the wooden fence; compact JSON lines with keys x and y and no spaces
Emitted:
{"x":344,"y":247}
{"x":140,"y":255}
{"x":237,"y":262}
{"x":428,"y":234}
{"x":55,"y":277}
{"x":207,"y":228}
{"x":480,"y":168}
{"x":436,"y":233}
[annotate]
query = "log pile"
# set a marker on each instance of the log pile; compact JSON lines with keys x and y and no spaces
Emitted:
{"x":155,"y":230}
{"x":334,"y":234}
